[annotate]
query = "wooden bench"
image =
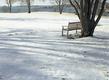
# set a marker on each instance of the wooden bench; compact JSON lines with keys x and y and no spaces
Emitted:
{"x":71,"y":26}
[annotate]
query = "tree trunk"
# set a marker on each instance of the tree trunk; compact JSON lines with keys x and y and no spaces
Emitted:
{"x":88,"y":29}
{"x":29,"y":6}
{"x":10,"y":6}
{"x":61,"y":6}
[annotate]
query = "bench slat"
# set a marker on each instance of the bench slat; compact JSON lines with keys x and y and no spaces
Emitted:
{"x":71,"y":26}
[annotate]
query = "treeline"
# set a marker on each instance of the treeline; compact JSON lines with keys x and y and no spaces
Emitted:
{"x":36,"y":8}
{"x":27,"y":2}
{"x":60,"y":3}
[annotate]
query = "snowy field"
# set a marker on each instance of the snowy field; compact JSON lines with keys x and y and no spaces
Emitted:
{"x":32,"y":48}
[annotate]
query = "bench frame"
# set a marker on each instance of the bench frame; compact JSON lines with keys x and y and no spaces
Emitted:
{"x":71,"y":26}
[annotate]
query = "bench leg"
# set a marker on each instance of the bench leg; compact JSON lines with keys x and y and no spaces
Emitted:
{"x":67,"y":33}
{"x":76,"y":31}
{"x":62,"y":32}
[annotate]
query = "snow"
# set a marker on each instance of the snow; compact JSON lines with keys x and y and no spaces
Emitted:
{"x":32,"y":48}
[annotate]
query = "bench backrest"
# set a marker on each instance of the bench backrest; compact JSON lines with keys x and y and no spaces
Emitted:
{"x":74,"y":25}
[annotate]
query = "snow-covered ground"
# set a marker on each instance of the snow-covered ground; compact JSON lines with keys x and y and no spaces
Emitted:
{"x":32,"y":48}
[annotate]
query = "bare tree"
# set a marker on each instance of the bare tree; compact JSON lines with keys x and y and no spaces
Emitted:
{"x":29,"y":6}
{"x":28,"y":2}
{"x":87,"y":11}
{"x":10,"y":2}
{"x":61,"y":4}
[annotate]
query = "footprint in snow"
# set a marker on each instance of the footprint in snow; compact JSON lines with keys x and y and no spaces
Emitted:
{"x":1,"y":77}
{"x":63,"y":79}
{"x":107,"y":75}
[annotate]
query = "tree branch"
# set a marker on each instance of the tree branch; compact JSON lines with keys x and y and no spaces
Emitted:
{"x":101,"y":12}
{"x":95,"y":8}
{"x":76,"y":9}
{"x":77,"y":4}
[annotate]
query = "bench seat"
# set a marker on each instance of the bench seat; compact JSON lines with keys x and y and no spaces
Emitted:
{"x":71,"y":26}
